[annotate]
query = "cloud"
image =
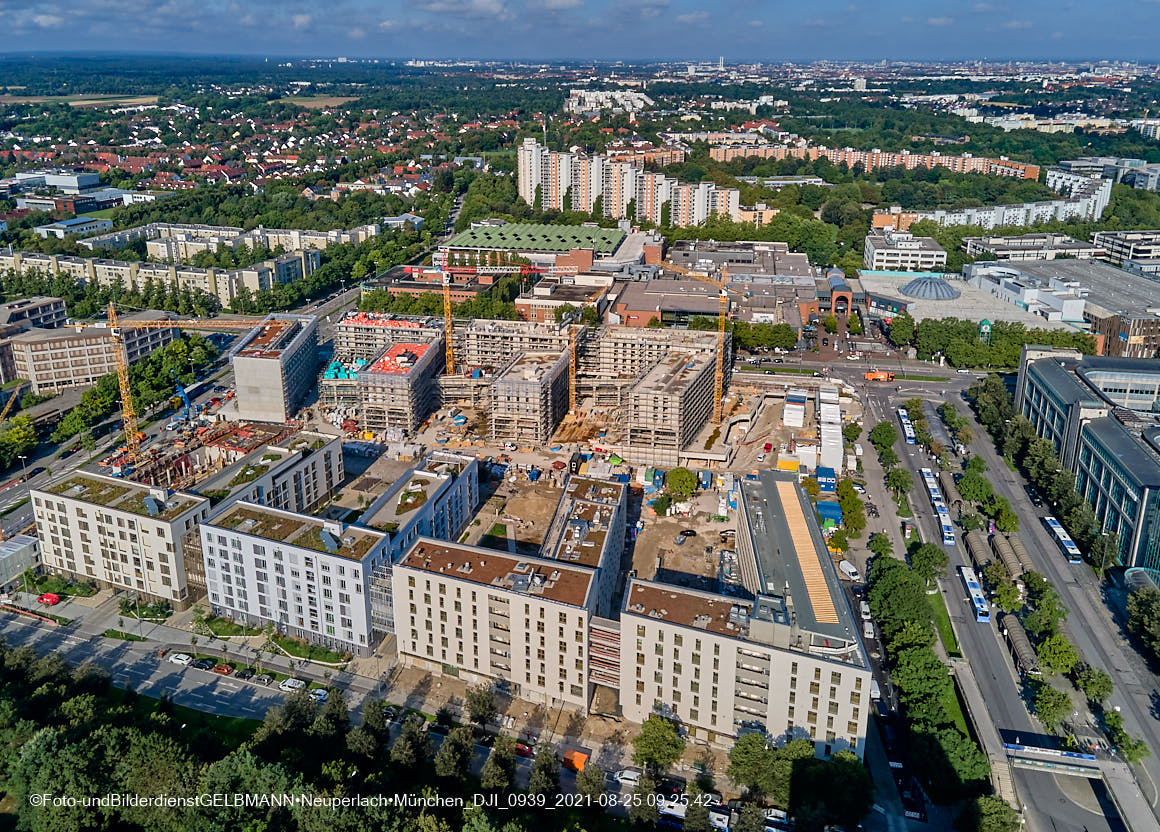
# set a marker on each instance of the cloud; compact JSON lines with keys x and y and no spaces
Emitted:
{"x":755,"y":23}
{"x":940,"y":21}
{"x":356,"y":32}
{"x":301,"y":21}
{"x":557,"y":5}
{"x":1018,"y":24}
{"x":390,"y":25}
{"x":692,"y":17}
{"x":984,"y":7}
{"x":47,"y":21}
{"x":467,"y":8}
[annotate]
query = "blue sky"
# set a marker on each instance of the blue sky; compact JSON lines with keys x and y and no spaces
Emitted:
{"x":767,"y":30}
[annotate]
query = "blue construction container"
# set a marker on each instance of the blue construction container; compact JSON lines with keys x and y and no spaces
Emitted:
{"x":705,"y":479}
{"x":830,"y":513}
{"x":827,"y":480}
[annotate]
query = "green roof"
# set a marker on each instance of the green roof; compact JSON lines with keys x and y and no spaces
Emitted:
{"x":531,"y":237}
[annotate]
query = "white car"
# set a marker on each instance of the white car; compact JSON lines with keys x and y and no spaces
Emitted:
{"x":859,"y":488}
{"x":183,"y":659}
{"x":319,"y":695}
{"x":761,"y":457}
{"x":628,"y":777}
{"x":291,"y":685}
{"x":963,"y":372}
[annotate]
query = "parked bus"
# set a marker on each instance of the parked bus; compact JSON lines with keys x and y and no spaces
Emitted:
{"x":907,"y":427}
{"x":978,"y":600}
{"x":1063,"y":540}
{"x":932,"y":488}
{"x":948,"y":530}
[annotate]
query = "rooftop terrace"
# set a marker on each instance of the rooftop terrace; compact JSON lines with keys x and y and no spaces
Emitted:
{"x":297,"y":530}
{"x":123,"y":495}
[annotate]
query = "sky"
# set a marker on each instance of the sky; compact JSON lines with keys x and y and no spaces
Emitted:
{"x":738,"y":30}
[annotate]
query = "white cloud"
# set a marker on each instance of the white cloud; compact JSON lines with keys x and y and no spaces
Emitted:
{"x":984,"y":7}
{"x":467,"y":8}
{"x":1018,"y":24}
{"x":301,"y":21}
{"x":557,"y":5}
{"x":47,"y":21}
{"x":692,"y":17}
{"x":940,"y":21}
{"x":390,"y":25}
{"x":356,"y":33}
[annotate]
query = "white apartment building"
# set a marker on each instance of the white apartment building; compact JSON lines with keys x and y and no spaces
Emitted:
{"x":117,"y":533}
{"x":580,"y":180}
{"x":902,"y":251}
{"x":305,"y":575}
{"x":522,"y":622}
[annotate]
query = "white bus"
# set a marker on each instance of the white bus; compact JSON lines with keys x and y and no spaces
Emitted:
{"x":1063,"y":540}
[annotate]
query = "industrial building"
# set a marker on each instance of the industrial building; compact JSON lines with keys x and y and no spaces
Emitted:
{"x":529,"y":397}
{"x":274,"y":367}
{"x":117,"y":534}
{"x":1100,"y":414}
{"x":73,"y":227}
{"x":397,"y":388}
{"x":77,"y":357}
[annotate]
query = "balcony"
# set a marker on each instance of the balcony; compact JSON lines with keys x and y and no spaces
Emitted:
{"x":752,"y":677}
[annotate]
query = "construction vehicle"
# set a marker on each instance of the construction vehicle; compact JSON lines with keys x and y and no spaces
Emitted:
{"x":191,"y":410}
{"x":879,"y":375}
{"x":8,"y":404}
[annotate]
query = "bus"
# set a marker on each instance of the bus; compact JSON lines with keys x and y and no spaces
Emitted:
{"x":1063,"y":540}
{"x":907,"y":427}
{"x":932,"y":488}
{"x":945,"y":525}
{"x":978,"y":600}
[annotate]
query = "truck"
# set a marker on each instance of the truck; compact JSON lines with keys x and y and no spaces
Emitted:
{"x":879,"y":375}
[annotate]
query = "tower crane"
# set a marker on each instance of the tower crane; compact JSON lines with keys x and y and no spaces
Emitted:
{"x":133,"y":435}
{"x":723,"y":289}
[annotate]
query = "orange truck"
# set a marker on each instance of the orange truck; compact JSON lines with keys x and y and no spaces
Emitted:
{"x":575,"y":760}
{"x":879,"y":375}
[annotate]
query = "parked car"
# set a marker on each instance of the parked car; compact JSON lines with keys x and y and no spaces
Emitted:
{"x":35,"y":472}
{"x":224,"y":669}
{"x":688,"y":533}
{"x":182,"y":659}
{"x":204,"y":664}
{"x":522,"y":750}
{"x":319,"y":695}
{"x":49,"y":599}
{"x":245,"y":673}
{"x":263,"y":679}
{"x":291,"y":685}
{"x":859,"y":488}
{"x":963,"y":372}
{"x":761,"y":457}
{"x":629,"y":777}
{"x":679,"y":540}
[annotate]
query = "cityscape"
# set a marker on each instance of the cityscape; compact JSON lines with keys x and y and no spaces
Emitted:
{"x":431,"y":438}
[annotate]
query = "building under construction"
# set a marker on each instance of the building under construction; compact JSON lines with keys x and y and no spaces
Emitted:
{"x":274,"y":366}
{"x":529,"y":397}
{"x":364,"y":335}
{"x":667,"y":407}
{"x":397,"y":389}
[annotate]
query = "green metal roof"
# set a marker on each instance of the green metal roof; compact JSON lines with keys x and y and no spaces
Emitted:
{"x":532,"y":237}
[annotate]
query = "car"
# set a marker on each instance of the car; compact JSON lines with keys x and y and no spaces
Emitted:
{"x":963,"y":372}
{"x":778,"y":361}
{"x":319,"y":695}
{"x":291,"y":685}
{"x":49,"y":599}
{"x":204,"y":664}
{"x":761,"y":457}
{"x":245,"y":673}
{"x":522,"y":750}
{"x":767,"y":447}
{"x":391,"y":713}
{"x":859,"y":488}
{"x":679,"y":540}
{"x":263,"y":679}
{"x":818,"y":375}
{"x":36,"y":471}
{"x":182,"y":659}
{"x":825,"y":342}
{"x":219,"y":388}
{"x":628,"y":776}
{"x":688,"y":533}
{"x":224,"y":669}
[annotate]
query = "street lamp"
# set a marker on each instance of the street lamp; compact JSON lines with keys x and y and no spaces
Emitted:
{"x":23,"y":466}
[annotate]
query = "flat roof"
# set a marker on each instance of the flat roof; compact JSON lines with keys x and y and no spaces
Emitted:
{"x":350,"y":542}
{"x":537,"y":237}
{"x":580,"y":525}
{"x":398,"y":359}
{"x":720,"y":614}
{"x":530,"y":366}
{"x":391,"y":321}
{"x":672,"y":374}
{"x":1109,"y":287}
{"x":1136,"y":453}
{"x":123,"y":495}
{"x":538,"y":577}
{"x":792,"y":556}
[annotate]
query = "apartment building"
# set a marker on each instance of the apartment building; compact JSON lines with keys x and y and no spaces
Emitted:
{"x":529,"y":397}
{"x":902,"y":251}
{"x":39,"y":312}
{"x":397,"y":389}
{"x":1031,"y":247}
{"x":305,"y":575}
{"x":118,"y":534}
{"x":76,"y":357}
{"x":876,"y":159}
{"x":175,"y":242}
{"x":274,"y":367}
{"x":18,"y":555}
{"x":1122,"y":246}
{"x":364,"y":335}
{"x":668,"y":406}
{"x":496,"y":618}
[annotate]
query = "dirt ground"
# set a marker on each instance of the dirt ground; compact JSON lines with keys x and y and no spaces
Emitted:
{"x":319,"y":102}
{"x":656,"y":554}
{"x":527,"y":508}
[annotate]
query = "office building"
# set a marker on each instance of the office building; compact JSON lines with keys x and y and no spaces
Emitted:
{"x":274,"y":367}
{"x":1031,"y":247}
{"x":118,"y":534}
{"x":73,"y":227}
{"x":1121,"y":246}
{"x":1100,"y":414}
{"x":77,"y":357}
{"x":18,"y":554}
{"x":902,"y":251}
{"x":305,"y":575}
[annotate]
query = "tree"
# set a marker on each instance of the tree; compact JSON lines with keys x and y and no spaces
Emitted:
{"x":681,"y":483}
{"x":1051,"y":706}
{"x":839,"y":540}
{"x":545,"y":775}
{"x":880,"y":545}
{"x":990,"y":814}
{"x":1007,"y":596}
{"x":751,"y":763}
{"x":899,"y":481}
{"x":1058,"y":654}
{"x":498,"y":773}
{"x":642,"y":807}
{"x":854,"y":324}
{"x":910,"y":634}
{"x":1104,"y":552}
{"x":481,"y":705}
{"x":928,"y":562}
{"x":752,"y":819}
{"x":788,"y":757}
{"x":590,"y":784}
{"x":883,"y":435}
{"x":901,"y":330}
{"x":887,"y":458}
{"x":658,"y":745}
{"x":454,"y":755}
{"x":1144,"y":619}
{"x":850,"y":432}
{"x":1095,"y":683}
{"x":830,"y":323}
{"x":810,"y":484}
{"x":696,"y":812}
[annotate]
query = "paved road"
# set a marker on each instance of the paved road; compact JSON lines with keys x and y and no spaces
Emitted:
{"x":1049,"y":807}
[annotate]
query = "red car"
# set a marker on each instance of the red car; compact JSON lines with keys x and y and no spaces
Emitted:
{"x":523,"y":750}
{"x":768,"y":447}
{"x":50,"y":599}
{"x":224,"y":669}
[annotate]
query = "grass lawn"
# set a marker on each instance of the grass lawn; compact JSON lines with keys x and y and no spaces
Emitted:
{"x":498,"y":530}
{"x":903,"y":507}
{"x":103,"y":214}
{"x":778,"y":369}
{"x":909,"y":377}
{"x":224,"y":627}
{"x":942,"y":620}
{"x":122,"y":635}
{"x":231,"y":730}
{"x":954,"y":709}
{"x":310,"y":652}
{"x":59,"y":586}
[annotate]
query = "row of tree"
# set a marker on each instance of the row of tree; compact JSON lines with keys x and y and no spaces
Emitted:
{"x":962,"y":345}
